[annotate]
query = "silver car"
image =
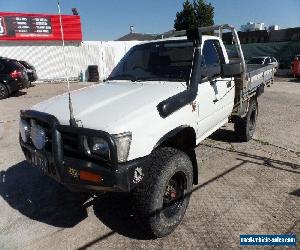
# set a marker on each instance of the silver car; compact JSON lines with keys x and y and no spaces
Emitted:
{"x":264,"y":60}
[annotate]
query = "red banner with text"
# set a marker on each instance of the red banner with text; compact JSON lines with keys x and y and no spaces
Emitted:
{"x":39,"y":27}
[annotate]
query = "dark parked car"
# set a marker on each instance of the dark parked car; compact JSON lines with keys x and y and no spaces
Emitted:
{"x":13,"y":77}
{"x":31,"y":72}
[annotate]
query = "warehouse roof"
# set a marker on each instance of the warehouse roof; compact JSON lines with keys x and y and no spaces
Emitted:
{"x":137,"y":37}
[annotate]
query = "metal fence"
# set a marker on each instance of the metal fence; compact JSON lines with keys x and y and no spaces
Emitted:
{"x":284,"y":52}
{"x":49,"y":62}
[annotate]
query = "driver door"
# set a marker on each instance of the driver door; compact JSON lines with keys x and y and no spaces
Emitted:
{"x":215,"y":94}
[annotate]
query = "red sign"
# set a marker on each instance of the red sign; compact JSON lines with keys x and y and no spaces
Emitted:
{"x":21,"y":26}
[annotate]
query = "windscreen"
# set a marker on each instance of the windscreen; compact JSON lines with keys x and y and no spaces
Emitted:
{"x":157,"y":61}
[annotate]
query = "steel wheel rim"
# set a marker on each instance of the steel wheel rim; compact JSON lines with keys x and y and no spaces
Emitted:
{"x":174,"y":193}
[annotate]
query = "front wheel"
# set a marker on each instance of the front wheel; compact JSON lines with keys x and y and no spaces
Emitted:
{"x":245,"y":127}
{"x":162,"y":198}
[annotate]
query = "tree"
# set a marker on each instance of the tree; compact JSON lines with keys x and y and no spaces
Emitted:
{"x":186,"y":18}
{"x":204,"y":13}
{"x":194,"y":15}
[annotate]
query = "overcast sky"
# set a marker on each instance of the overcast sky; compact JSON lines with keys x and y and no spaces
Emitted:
{"x":110,"y":19}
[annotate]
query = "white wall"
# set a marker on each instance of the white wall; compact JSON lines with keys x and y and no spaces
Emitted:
{"x":48,"y":57}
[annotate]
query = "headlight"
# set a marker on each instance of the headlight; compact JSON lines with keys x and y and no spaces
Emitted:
{"x":96,"y":146}
{"x":24,"y":130}
{"x":123,"y":142}
{"x":38,"y":135}
{"x":99,"y":147}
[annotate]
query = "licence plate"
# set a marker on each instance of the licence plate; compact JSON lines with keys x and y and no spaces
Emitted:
{"x":40,"y":162}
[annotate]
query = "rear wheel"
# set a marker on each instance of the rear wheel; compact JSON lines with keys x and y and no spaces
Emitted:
{"x":162,"y":198}
{"x":3,"y":91}
{"x":245,"y":127}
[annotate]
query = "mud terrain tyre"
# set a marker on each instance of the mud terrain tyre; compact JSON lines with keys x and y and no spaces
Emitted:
{"x":163,"y":196}
{"x":245,"y":127}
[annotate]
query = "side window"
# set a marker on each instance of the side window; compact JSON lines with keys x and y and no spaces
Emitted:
{"x":219,"y":51}
{"x":210,"y":54}
{"x":212,"y":58}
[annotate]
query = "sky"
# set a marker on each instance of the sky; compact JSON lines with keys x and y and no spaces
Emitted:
{"x":110,"y":19}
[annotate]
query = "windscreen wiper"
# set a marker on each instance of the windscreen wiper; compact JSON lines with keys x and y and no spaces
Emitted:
{"x":123,"y":77}
{"x":161,"y":79}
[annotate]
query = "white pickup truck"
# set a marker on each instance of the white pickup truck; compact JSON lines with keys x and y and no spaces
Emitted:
{"x":137,"y":131}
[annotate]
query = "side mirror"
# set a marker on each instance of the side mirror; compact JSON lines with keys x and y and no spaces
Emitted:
{"x":231,"y":70}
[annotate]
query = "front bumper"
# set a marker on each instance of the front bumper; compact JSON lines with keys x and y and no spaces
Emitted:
{"x":66,"y":169}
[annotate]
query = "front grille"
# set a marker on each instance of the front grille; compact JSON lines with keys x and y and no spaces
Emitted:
{"x":73,"y":147}
{"x":71,"y":143}
{"x":63,"y":140}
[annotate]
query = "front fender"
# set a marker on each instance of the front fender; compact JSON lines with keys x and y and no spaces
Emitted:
{"x":149,"y":130}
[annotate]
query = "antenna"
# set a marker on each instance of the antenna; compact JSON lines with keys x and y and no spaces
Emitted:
{"x":72,"y":119}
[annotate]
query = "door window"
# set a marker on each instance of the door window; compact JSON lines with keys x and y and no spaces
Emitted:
{"x":212,"y":58}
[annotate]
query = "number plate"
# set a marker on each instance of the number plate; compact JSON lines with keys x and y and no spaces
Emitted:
{"x":40,"y":162}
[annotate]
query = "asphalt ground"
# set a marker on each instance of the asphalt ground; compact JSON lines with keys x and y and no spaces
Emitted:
{"x":245,"y":188}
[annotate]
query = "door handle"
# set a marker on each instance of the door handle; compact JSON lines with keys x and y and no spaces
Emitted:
{"x":212,"y":82}
{"x":229,"y":84}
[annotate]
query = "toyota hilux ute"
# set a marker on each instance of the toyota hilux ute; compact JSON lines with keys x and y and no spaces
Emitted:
{"x":137,"y":131}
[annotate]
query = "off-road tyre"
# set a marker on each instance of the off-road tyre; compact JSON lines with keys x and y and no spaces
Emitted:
{"x":245,"y":127}
{"x":161,"y":200}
